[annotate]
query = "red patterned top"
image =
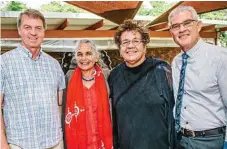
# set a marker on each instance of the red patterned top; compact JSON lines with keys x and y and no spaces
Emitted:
{"x":90,"y":99}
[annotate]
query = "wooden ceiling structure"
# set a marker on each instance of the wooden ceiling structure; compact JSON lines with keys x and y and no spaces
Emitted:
{"x":117,"y":12}
{"x":161,"y":23}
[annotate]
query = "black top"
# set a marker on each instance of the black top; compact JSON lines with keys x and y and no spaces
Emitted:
{"x":132,"y":73}
{"x":142,"y":112}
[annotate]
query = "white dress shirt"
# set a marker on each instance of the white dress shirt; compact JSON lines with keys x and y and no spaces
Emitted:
{"x":205,"y":97}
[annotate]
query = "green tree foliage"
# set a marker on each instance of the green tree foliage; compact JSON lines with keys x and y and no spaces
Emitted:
{"x":223,"y":39}
{"x":216,"y":15}
{"x":60,"y":7}
{"x":14,"y":6}
{"x":158,"y":7}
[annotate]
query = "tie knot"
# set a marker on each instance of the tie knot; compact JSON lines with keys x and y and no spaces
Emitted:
{"x":185,"y":55}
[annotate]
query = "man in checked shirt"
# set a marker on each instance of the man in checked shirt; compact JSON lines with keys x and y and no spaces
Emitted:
{"x":31,"y":88}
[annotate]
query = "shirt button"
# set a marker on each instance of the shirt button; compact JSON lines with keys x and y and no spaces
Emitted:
{"x":185,"y":108}
{"x":186,"y":122}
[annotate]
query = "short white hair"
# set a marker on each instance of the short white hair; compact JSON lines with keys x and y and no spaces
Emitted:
{"x":182,"y":9}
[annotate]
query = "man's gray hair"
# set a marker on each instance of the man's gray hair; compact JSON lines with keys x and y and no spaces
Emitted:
{"x":182,"y":9}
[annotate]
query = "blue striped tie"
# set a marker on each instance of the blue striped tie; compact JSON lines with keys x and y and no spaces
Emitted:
{"x":180,"y":92}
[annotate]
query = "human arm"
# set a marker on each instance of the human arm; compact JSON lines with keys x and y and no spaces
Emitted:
{"x":222,"y":77}
{"x":4,"y":143}
{"x":168,"y":72}
{"x":64,"y":100}
{"x":113,"y":115}
{"x":115,"y":129}
{"x":60,"y":95}
{"x":168,"y":91}
{"x":61,"y":86}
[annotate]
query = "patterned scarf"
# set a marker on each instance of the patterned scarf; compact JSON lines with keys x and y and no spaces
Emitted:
{"x":75,"y":118}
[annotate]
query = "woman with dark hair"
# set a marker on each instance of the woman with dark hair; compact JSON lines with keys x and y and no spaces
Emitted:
{"x":141,"y":94}
{"x":87,"y":122}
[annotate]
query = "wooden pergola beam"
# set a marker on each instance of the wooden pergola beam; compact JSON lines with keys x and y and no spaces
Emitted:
{"x":208,"y":28}
{"x":158,"y":26}
{"x":200,"y":7}
{"x":64,"y":24}
{"x":115,"y":11}
{"x":206,"y":6}
{"x":93,"y":34}
{"x":95,"y":26}
{"x":164,"y":16}
{"x":223,"y":29}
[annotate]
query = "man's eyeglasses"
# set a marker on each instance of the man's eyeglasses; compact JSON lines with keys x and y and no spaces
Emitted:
{"x":135,"y":42}
{"x":186,"y":24}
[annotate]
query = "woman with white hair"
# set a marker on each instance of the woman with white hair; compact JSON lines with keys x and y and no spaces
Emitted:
{"x":87,"y":122}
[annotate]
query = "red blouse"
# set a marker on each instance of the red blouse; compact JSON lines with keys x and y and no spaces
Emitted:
{"x":93,"y":140}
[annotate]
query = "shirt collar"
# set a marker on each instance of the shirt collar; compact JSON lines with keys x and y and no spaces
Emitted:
{"x":191,"y":53}
{"x":29,"y":53}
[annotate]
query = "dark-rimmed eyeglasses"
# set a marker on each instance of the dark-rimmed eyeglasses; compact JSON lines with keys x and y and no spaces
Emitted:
{"x":135,"y":42}
{"x":186,"y":24}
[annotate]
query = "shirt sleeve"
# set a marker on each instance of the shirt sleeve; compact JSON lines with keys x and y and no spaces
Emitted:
{"x":61,"y":78}
{"x":222,"y":77}
{"x":2,"y":76}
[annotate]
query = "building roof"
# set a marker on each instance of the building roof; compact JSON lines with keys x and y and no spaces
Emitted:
{"x":63,"y":29}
